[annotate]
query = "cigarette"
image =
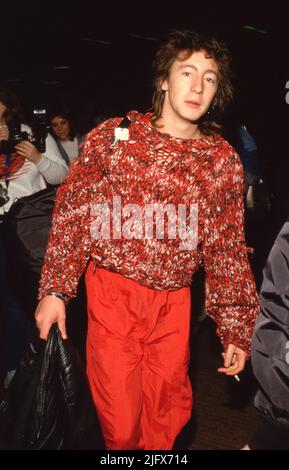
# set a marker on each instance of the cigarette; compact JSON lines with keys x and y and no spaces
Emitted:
{"x":237,"y":378}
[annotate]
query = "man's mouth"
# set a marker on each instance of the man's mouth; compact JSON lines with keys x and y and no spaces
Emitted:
{"x":192,"y":104}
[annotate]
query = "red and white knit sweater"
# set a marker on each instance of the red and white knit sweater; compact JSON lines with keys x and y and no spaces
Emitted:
{"x":153,"y":167}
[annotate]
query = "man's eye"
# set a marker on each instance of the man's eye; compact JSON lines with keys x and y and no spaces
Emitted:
{"x":187,"y":74}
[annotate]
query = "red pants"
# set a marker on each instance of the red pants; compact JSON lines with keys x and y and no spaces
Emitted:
{"x":137,"y":360}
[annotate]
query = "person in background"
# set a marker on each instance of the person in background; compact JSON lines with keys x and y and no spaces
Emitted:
{"x":27,"y":170}
{"x":24,"y":170}
{"x":138,"y":284}
{"x":257,"y":198}
{"x":248,"y":151}
{"x":270,"y":351}
{"x":68,"y":142}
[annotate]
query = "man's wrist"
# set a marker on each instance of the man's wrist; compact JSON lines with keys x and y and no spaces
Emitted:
{"x":59,"y":295}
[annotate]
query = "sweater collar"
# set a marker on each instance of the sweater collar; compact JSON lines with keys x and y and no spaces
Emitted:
{"x":144,"y":121}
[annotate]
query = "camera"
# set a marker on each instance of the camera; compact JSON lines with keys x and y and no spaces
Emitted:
{"x":3,"y":195}
{"x":37,"y":138}
{"x":39,"y":129}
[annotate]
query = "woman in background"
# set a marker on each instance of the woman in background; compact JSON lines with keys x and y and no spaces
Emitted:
{"x":24,"y":170}
{"x":67,"y":140}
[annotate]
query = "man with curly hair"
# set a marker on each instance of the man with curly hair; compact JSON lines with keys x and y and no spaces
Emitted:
{"x":138,"y":282}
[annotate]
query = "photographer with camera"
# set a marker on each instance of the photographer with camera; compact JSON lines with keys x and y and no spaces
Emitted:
{"x":28,"y":163}
{"x":24,"y":168}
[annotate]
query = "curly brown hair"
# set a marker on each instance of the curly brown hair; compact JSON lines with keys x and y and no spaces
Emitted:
{"x":180,"y":45}
{"x":12,"y":103}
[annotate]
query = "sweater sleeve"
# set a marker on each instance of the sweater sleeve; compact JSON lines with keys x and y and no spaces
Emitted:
{"x":231,"y":297}
{"x":69,"y":243}
{"x":52,"y":166}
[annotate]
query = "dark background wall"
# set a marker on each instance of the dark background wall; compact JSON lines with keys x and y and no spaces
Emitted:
{"x":108,"y":50}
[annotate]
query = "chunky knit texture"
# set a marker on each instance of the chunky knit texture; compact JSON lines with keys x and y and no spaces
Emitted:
{"x":154,"y":167}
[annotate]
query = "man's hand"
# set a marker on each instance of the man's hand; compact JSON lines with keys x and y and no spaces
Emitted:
{"x":234,"y":360}
{"x":29,"y":151}
{"x":50,"y":310}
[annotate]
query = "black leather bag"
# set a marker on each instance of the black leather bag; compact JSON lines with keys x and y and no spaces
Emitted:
{"x":29,"y":220}
{"x":48,"y":405}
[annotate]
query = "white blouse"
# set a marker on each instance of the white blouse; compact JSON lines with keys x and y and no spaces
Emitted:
{"x":71,"y":148}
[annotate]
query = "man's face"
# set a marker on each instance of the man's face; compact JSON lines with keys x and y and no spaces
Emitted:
{"x":60,"y":127}
{"x":191,"y":87}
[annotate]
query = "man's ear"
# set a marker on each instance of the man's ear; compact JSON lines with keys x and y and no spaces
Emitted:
{"x":165,"y":85}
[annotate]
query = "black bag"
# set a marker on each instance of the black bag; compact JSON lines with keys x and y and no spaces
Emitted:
{"x":29,"y":220}
{"x":48,"y":405}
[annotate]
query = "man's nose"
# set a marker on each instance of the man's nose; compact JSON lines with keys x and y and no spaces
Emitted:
{"x":197,"y":85}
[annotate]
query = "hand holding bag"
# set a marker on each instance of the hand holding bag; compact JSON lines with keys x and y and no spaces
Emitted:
{"x":48,"y":404}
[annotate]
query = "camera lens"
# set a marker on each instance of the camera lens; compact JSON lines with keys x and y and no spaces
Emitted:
{"x":3,"y":196}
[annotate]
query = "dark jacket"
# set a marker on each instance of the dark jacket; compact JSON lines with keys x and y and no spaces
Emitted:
{"x":270,"y":346}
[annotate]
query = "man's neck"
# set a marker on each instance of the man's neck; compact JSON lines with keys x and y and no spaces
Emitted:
{"x":182,"y":129}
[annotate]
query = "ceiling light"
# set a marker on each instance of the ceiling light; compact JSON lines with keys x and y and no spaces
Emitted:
{"x":253,"y":28}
